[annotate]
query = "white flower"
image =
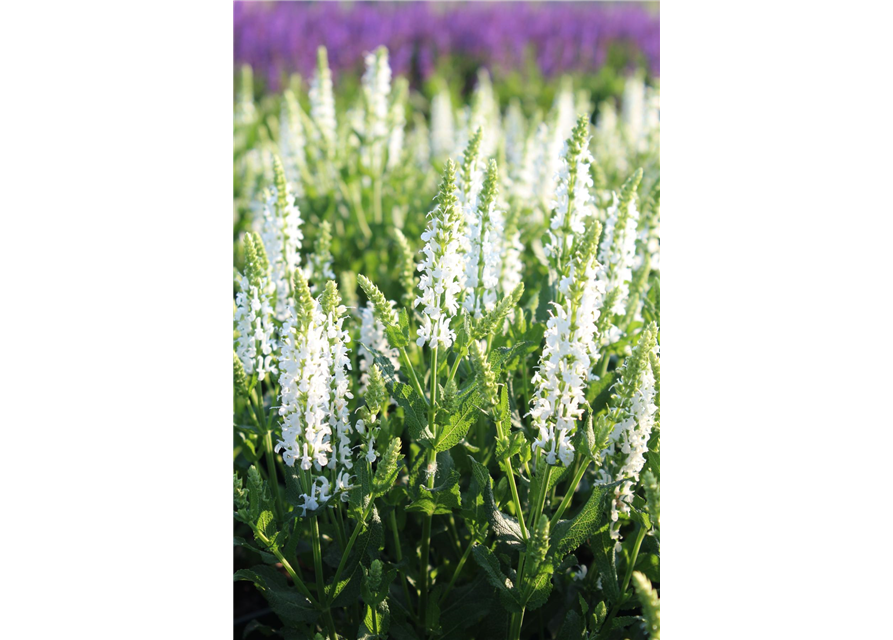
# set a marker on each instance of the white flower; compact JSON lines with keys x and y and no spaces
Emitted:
{"x":322,"y":104}
{"x":314,"y":390}
{"x":632,"y":418}
{"x":617,"y":254}
{"x":304,"y":392}
{"x":485,"y":247}
{"x":565,"y":365}
{"x":282,"y":237}
{"x":372,"y":335}
{"x":254,"y":322}
{"x":573,"y":203}
{"x":442,"y":129}
{"x":376,"y":90}
{"x":443,"y":268}
{"x":291,"y":143}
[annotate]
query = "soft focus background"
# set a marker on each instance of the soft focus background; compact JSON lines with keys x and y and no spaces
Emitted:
{"x":523,"y":45}
{"x":776,"y":317}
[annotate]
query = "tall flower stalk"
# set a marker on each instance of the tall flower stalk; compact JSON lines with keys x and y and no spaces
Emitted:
{"x":282,"y":236}
{"x":255,"y":344}
{"x":617,"y":254}
{"x":443,"y":268}
{"x":630,"y":422}
{"x":568,"y":356}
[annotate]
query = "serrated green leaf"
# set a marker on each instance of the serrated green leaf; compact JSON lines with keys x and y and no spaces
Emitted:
{"x":398,"y":336}
{"x":490,"y":564}
{"x":595,"y":514}
{"x":266,"y":527}
{"x":572,"y":628}
{"x":286,"y":601}
{"x":542,"y":587}
{"x":414,"y":409}
{"x":505,"y":527}
{"x":451,"y":434}
{"x":602,"y":546}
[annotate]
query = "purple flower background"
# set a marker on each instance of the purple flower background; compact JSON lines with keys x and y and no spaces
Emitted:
{"x":281,"y":38}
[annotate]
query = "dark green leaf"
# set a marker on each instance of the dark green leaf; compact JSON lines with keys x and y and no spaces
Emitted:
{"x":572,"y":628}
{"x":490,"y":565}
{"x":595,"y":514}
{"x":286,"y":601}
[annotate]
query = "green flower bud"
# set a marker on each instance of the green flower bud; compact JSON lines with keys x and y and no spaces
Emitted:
{"x":348,"y":287}
{"x":382,"y":310}
{"x":652,"y":496}
{"x":304,"y":302}
{"x":469,"y":160}
{"x":492,"y":320}
{"x":484,"y":372}
{"x":240,"y":380}
{"x":407,"y":268}
{"x":330,"y":298}
{"x":262,"y":259}
{"x":650,"y":604}
{"x":376,"y":392}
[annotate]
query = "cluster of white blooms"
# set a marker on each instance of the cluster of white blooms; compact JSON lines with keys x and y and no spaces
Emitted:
{"x":631,"y":419}
{"x":545,"y":160}
{"x":292,"y":143}
{"x":396,"y":128}
{"x":443,"y":268}
{"x":282,"y":236}
{"x":485,"y":246}
{"x":568,"y":356}
{"x":314,"y":391}
{"x":442,"y":128}
{"x":633,"y":110}
{"x":304,"y":391}
{"x":254,"y":322}
{"x":376,"y":90}
{"x":322,"y":103}
{"x":563,"y":109}
{"x":617,"y":254}
{"x":372,"y":335}
{"x":512,"y":265}
{"x":573,"y":202}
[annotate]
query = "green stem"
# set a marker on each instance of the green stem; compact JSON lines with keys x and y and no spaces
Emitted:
{"x":376,"y":202}
{"x":426,"y":525}
{"x":518,"y":618}
{"x":399,"y":550}
{"x":346,"y":553}
{"x":603,"y":365}
{"x":273,"y":480}
{"x":415,"y":380}
{"x":566,"y":501}
{"x":458,"y":570}
{"x":640,"y":535}
{"x":320,"y":582}
{"x":426,"y":541}
{"x":291,"y":572}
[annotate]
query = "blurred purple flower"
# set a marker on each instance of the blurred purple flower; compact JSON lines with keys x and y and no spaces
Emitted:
{"x":282,"y":37}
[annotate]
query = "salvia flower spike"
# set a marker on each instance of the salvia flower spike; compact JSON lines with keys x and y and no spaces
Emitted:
{"x":617,"y":253}
{"x":443,"y":267}
{"x":254,"y":314}
{"x":632,"y":415}
{"x":567,"y":359}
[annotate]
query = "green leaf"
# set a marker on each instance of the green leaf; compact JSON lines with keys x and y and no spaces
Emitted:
{"x":572,"y":628}
{"x":599,"y":392}
{"x":490,"y":564}
{"x":505,"y":527}
{"x":542,"y":587}
{"x":398,"y":336}
{"x":595,"y":514}
{"x":386,"y":471}
{"x":365,"y":546}
{"x":414,"y":409}
{"x":452,"y":433}
{"x":266,"y":526}
{"x":603,"y":551}
{"x":286,"y":601}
